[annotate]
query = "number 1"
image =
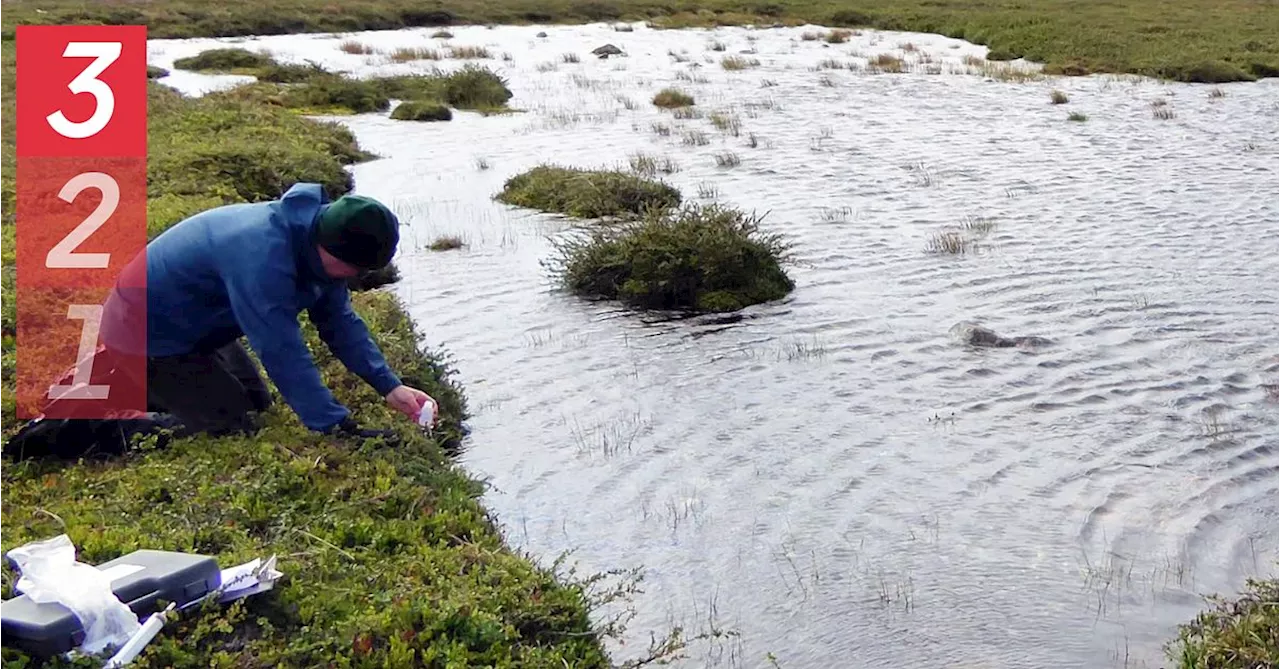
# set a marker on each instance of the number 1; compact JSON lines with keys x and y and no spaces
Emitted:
{"x":80,"y":388}
{"x":103,"y":55}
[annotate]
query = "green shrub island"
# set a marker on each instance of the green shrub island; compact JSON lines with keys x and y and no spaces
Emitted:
{"x":414,"y":110}
{"x":706,"y":258}
{"x":310,"y":89}
{"x":586,"y":193}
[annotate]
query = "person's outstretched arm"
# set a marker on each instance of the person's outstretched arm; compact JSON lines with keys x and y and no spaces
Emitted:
{"x":348,"y":337}
{"x":263,"y":301}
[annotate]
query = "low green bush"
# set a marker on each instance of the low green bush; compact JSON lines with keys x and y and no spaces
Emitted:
{"x":308,"y":89}
{"x":417,"y":110}
{"x":586,"y":193}
{"x":707,"y":258}
{"x":224,"y":60}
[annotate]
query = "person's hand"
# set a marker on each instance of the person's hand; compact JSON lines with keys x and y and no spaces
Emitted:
{"x":411,"y":401}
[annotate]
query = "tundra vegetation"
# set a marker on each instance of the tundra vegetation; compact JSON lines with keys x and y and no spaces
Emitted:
{"x":389,"y":558}
{"x":695,"y":257}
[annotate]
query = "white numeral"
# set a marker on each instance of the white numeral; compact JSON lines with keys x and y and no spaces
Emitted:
{"x":103,"y":55}
{"x":80,"y":388}
{"x":63,"y":256}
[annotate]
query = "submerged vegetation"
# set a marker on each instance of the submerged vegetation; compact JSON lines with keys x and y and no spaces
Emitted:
{"x":586,"y":193}
{"x":707,"y":258}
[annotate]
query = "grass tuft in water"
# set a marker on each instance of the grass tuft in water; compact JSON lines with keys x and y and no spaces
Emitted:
{"x":1077,"y":117}
{"x":1057,"y":97}
{"x":962,"y":239}
{"x":705,"y":258}
{"x":672,"y":98}
{"x":838,"y":36}
{"x":356,"y":48}
{"x":407,"y":54}
{"x":442,"y":34}
{"x":469,"y":52}
{"x":1161,"y":112}
{"x":570,"y":58}
{"x":1217,"y":92}
{"x":446,"y":243}
{"x":224,"y":60}
{"x":727,"y":159}
{"x":886,"y":63}
{"x":419,"y":110}
{"x":694,"y":138}
{"x":586,"y":193}
{"x":726,"y":123}
{"x":738,"y":62}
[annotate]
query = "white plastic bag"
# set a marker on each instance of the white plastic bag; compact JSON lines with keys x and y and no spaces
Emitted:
{"x":50,"y":573}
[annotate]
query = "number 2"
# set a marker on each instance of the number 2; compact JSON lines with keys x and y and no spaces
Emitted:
{"x":62,"y":255}
{"x":103,"y":54}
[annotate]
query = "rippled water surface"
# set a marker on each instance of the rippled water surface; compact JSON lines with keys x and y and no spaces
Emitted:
{"x":833,"y":476}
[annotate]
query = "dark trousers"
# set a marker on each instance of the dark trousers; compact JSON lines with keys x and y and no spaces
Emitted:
{"x":215,"y":392}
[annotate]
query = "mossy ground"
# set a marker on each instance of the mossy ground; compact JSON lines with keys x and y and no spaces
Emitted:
{"x":706,"y":258}
{"x":1238,"y":632}
{"x":586,"y":193}
{"x":414,"y":110}
{"x":310,"y":89}
{"x":386,"y":552}
{"x":389,"y":557}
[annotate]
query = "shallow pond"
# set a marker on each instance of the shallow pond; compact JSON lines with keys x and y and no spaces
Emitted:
{"x":833,"y":476}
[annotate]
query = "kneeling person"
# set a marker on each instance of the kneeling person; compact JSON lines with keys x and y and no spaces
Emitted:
{"x":250,"y":270}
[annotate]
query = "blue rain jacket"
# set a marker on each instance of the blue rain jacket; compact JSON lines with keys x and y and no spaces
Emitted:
{"x":250,"y":270}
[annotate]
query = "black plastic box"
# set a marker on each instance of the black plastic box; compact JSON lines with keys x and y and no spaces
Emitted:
{"x":140,"y":579}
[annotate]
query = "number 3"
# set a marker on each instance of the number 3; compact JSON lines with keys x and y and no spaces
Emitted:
{"x":103,"y":54}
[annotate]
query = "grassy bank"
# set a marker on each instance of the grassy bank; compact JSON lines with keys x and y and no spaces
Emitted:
{"x":389,"y":557}
{"x":1190,"y":40}
{"x":1239,"y":632}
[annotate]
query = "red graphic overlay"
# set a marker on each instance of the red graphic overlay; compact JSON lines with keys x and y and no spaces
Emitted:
{"x":81,"y":220}
{"x":82,"y":91}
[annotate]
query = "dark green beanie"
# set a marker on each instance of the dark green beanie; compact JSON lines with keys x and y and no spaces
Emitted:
{"x":359,"y":230}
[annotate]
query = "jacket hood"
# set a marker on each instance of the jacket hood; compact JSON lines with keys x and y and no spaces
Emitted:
{"x":301,"y":205}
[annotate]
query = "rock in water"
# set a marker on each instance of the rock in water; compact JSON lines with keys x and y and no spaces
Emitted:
{"x":977,"y":335}
{"x":542,"y":34}
{"x":606,"y":51}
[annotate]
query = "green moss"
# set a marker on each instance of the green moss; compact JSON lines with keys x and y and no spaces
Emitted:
{"x":154,"y":72}
{"x":414,"y":110}
{"x":1232,"y":633}
{"x":223,"y":60}
{"x":699,"y":257}
{"x":310,"y":89}
{"x":586,"y":193}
